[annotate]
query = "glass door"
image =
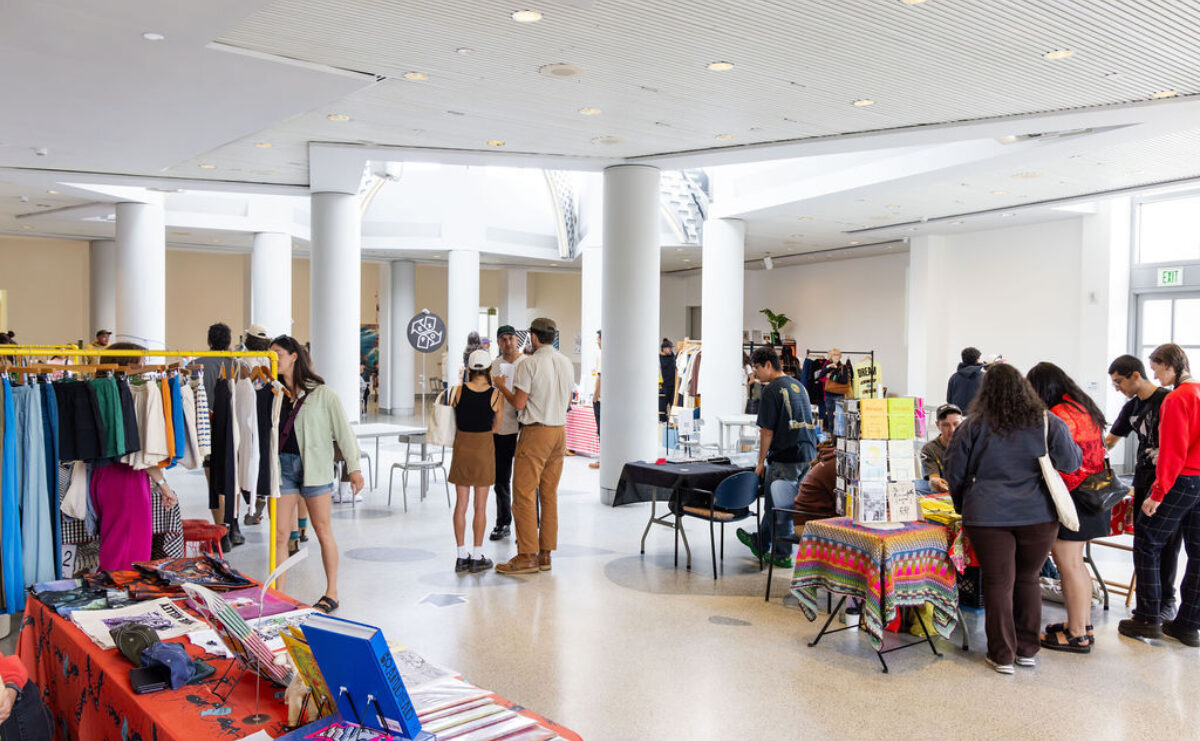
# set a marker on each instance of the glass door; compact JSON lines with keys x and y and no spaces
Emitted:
{"x":1173,"y":317}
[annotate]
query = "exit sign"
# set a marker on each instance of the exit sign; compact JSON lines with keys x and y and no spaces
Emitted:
{"x":1170,"y":277}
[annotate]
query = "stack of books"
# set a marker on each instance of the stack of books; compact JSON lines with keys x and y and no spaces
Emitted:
{"x":876,"y":459}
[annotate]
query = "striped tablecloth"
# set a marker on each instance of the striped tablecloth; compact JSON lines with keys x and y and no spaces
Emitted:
{"x":582,"y":435}
{"x":905,"y":566}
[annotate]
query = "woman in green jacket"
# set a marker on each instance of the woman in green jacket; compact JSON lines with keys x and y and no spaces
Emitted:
{"x":311,"y":420}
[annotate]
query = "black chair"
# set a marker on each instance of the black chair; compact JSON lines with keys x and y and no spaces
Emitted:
{"x":785,"y":492}
{"x":729,"y":502}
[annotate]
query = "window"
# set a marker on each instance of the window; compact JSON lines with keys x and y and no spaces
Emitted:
{"x":1169,"y":231}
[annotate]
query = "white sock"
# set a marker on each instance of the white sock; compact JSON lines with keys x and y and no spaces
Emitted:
{"x":463,"y":552}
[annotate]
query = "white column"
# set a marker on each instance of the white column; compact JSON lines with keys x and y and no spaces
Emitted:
{"x":384,"y":369}
{"x":271,"y":282}
{"x":141,"y":274}
{"x":722,"y":284}
{"x":590,"y":314}
{"x":102,"y":263}
{"x":928,"y":355}
{"x":516,"y":307}
{"x":629,"y":420}
{"x":462,"y":306}
{"x":403,"y":357}
{"x":335,"y":287}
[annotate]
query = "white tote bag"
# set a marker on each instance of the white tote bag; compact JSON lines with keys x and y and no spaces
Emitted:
{"x":1058,"y":490}
{"x":442,"y":423}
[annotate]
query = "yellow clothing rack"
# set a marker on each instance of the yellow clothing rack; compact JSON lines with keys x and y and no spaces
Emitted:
{"x":26,"y":350}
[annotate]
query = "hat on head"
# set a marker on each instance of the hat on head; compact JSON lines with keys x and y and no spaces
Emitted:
{"x":542,"y":324}
{"x":102,"y":331}
{"x":945,"y":410}
{"x":479,"y":360}
{"x":993,"y":359}
{"x":505,"y":329}
{"x":132,"y":639}
{"x":257,"y":330}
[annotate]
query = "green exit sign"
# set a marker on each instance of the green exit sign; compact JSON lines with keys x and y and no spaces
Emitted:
{"x":1170,"y":276}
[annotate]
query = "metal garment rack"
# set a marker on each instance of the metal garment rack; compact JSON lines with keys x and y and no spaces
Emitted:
{"x":28,"y":351}
{"x":875,"y":387}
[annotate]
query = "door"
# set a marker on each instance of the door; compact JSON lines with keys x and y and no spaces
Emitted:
{"x":1173,"y":317}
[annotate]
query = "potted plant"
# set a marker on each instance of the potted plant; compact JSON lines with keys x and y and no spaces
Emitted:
{"x":777,"y":322}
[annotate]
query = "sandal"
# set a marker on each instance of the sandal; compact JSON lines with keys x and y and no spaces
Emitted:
{"x":326,"y":604}
{"x":293,"y":547}
{"x":1075,"y":644}
{"x":1062,"y":627}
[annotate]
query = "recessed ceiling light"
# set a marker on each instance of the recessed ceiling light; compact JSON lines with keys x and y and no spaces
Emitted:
{"x":216,"y":241}
{"x":913,"y":2}
{"x":28,"y":228}
{"x":686,"y":259}
{"x":416,"y":76}
{"x":264,"y":145}
{"x":854,"y":243}
{"x":862,"y":102}
{"x":588,"y":111}
{"x":893,"y":205}
{"x":720,"y":66}
{"x":1008,"y":213}
{"x":804,"y":218}
{"x":1165,"y":94}
{"x":679,"y":249}
{"x":52,"y":192}
{"x":725,"y":137}
{"x":338,"y":117}
{"x":1027,"y":175}
{"x":1058,"y":54}
{"x":464,"y":50}
{"x":526,"y":16}
{"x":152,"y":36}
{"x":560,"y":70}
{"x":495,"y":143}
{"x":956,"y":222}
{"x":606,"y":140}
{"x":999,"y":192}
{"x":207,"y":166}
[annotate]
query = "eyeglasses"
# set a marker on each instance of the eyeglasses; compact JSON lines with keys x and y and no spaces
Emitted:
{"x":1118,"y":381}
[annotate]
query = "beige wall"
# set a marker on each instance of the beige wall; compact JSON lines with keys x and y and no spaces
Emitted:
{"x":46,"y":287}
{"x":558,"y":296}
{"x":204,"y":288}
{"x":301,"y":327}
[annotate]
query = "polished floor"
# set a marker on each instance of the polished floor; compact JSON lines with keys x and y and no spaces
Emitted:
{"x":617,"y":645}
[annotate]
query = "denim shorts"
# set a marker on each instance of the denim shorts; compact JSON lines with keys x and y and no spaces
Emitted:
{"x":291,"y":478}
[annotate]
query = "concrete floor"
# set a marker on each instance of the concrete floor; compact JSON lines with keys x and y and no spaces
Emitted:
{"x":621,"y":646}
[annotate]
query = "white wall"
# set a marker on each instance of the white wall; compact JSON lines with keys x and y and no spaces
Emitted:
{"x":678,"y":292}
{"x":850,"y":304}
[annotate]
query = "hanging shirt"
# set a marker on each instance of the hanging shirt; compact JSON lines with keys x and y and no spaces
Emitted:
{"x":177,"y":421}
{"x":203,"y":419}
{"x":192,"y":457}
{"x":246,"y":413}
{"x":169,"y":422}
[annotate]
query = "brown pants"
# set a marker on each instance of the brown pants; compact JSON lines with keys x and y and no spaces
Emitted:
{"x":536,"y":470}
{"x":1010,"y":559}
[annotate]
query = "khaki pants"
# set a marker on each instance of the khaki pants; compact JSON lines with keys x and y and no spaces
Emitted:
{"x":536,"y":470}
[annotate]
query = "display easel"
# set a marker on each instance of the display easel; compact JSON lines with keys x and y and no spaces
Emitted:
{"x":30,"y":351}
{"x":875,"y":387}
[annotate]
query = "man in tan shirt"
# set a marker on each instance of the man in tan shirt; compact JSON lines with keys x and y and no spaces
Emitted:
{"x":541,"y":393}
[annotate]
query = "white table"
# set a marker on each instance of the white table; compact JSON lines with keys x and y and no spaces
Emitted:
{"x":382,"y":429}
{"x":735,"y":421}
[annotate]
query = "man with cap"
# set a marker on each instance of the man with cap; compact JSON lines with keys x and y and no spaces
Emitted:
{"x":949,"y":417}
{"x":256,"y":339}
{"x":541,"y":393}
{"x":99,"y":343}
{"x":505,"y":367}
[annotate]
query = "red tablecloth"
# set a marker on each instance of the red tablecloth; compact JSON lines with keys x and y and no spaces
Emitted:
{"x":87,"y":689}
{"x":582,"y":435}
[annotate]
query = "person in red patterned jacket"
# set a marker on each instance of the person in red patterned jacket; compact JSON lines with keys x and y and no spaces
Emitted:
{"x":1086,"y":424}
{"x":1172,"y":505}
{"x":22,"y":713}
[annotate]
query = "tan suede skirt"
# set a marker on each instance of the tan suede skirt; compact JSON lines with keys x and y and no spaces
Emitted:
{"x":474,"y":461}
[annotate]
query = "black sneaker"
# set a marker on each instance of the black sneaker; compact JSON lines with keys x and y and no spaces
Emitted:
{"x":1135,"y":628}
{"x":1186,"y":636}
{"x":303,"y":535}
{"x":235,"y":535}
{"x":500,"y":532}
{"x":483,"y":563}
{"x":462,"y":565}
{"x":226,"y":544}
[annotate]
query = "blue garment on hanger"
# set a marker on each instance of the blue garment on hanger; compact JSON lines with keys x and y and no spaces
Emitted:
{"x":177,"y":420}
{"x":10,"y":509}
{"x":50,"y":428}
{"x":37,"y":536}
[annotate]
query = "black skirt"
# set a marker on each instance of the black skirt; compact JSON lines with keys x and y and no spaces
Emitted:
{"x":1091,"y":526}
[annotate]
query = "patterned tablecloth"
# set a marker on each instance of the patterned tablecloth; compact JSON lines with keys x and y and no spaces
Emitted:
{"x":581,"y":432}
{"x":1121,"y":522}
{"x":905,"y":565}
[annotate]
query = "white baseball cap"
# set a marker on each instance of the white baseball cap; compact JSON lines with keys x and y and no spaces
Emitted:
{"x":479,"y":360}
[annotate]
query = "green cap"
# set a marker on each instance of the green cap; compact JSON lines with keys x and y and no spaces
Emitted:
{"x":505,"y":329}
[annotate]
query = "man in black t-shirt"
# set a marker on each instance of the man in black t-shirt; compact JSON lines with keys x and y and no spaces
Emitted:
{"x":787,"y":442}
{"x":1140,"y":416}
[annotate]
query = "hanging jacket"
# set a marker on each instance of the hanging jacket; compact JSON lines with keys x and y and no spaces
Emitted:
{"x":963,"y":385}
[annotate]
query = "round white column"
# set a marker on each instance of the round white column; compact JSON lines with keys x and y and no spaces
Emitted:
{"x":102,"y":274}
{"x":516,"y":307}
{"x":462,"y":307}
{"x":141,"y":285}
{"x":335,"y":286}
{"x":722,"y":281}
{"x":630,"y":291}
{"x":271,"y":282}
{"x":402,"y":357}
{"x":590,"y":309}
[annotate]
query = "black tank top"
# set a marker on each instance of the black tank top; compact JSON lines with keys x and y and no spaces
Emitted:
{"x":474,"y":413}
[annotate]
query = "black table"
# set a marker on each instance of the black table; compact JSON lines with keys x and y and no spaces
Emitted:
{"x":639,"y":477}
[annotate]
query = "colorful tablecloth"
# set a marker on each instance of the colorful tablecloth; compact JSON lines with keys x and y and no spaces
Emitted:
{"x":1121,"y":521}
{"x":582,"y":435}
{"x":905,"y":565}
{"x":88,"y":691}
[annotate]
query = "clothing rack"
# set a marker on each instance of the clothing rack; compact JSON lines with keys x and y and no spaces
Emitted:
{"x":19,"y":351}
{"x":869,"y":353}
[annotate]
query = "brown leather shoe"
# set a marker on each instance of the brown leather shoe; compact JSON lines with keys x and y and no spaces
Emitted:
{"x":543,"y":560}
{"x":522,"y":563}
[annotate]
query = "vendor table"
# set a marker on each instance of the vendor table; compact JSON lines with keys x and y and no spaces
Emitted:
{"x":87,"y":689}
{"x":581,"y":432}
{"x":886,"y":567}
{"x":672,"y":477}
{"x":564,"y":734}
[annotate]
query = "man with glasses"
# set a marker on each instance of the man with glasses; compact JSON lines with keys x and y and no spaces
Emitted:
{"x":1140,"y":415}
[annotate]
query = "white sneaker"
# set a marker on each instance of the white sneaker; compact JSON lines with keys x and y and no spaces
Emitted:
{"x":357,"y":499}
{"x":337,"y":497}
{"x":344,"y":492}
{"x":1027,"y":661}
{"x":1000,"y":668}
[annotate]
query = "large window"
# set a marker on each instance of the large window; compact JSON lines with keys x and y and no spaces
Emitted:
{"x":1169,"y":230}
{"x":1169,"y":319}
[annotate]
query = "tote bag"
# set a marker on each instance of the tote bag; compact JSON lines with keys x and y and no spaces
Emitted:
{"x":442,"y":424}
{"x":1058,"y":490}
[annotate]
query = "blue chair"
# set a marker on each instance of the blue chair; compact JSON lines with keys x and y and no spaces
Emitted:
{"x":730,"y":502}
{"x":783,"y":499}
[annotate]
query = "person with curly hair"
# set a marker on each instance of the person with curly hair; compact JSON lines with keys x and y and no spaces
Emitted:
{"x":996,"y":484}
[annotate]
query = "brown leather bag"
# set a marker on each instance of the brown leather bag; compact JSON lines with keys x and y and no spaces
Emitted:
{"x":836,"y":387}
